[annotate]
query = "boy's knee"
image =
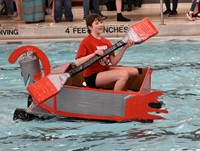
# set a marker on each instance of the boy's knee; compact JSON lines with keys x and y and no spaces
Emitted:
{"x":124,"y":74}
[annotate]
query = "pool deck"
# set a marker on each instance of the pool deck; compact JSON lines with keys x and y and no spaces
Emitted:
{"x":15,"y":31}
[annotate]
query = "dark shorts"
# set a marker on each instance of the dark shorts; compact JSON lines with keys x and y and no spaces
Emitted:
{"x":91,"y":80}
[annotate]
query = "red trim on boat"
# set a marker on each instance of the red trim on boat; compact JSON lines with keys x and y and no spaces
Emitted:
{"x":38,"y":52}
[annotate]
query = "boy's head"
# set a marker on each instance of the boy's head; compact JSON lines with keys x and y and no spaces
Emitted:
{"x":90,"y":19}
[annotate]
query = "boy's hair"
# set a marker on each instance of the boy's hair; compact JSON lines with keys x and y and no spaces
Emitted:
{"x":90,"y":19}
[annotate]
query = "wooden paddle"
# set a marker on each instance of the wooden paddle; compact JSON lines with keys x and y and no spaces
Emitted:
{"x":50,"y":85}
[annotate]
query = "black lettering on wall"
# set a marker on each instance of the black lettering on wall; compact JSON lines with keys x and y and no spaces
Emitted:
{"x":108,"y":29}
{"x":79,"y":30}
{"x":9,"y":32}
{"x":116,"y":29}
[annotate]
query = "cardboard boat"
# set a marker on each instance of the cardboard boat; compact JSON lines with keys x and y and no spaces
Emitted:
{"x":77,"y":101}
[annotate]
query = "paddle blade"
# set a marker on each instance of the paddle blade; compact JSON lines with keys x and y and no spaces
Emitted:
{"x":47,"y":87}
{"x":142,"y":31}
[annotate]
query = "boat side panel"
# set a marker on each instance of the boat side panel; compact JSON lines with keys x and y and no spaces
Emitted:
{"x":146,"y":85}
{"x":91,"y":102}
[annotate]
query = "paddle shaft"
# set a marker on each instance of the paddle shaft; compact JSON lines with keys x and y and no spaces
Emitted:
{"x":96,"y":58}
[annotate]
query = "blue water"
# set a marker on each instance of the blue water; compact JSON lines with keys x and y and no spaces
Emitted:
{"x":176,"y":65}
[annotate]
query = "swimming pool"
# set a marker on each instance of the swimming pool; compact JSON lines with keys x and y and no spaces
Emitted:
{"x":176,"y":65}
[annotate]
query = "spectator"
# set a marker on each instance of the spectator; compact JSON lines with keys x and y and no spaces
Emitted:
{"x":95,"y":6}
{"x":120,"y":17}
{"x":138,"y":3}
{"x":10,"y":7}
{"x":195,"y":13}
{"x":168,"y":11}
{"x":19,"y":10}
{"x":52,"y":8}
{"x":190,"y":14}
{"x":58,"y":11}
{"x":129,"y":3}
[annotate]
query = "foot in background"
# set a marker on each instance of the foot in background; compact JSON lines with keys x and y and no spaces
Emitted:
{"x":57,"y":21}
{"x":69,"y":20}
{"x":173,"y":13}
{"x":167,"y":12}
{"x":102,"y":16}
{"x":120,"y":17}
{"x":198,"y":17}
{"x":190,"y":16}
{"x":140,"y":3}
{"x":129,"y":8}
{"x":18,"y":19}
{"x":194,"y":15}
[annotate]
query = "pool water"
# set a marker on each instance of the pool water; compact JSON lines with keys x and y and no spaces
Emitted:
{"x":176,"y":65}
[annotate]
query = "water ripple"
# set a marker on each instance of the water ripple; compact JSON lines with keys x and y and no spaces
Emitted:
{"x":177,"y":65}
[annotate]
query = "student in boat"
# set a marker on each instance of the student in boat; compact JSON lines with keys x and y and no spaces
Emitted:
{"x":100,"y":74}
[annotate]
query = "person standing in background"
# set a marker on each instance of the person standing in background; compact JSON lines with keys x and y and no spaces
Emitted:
{"x":10,"y":7}
{"x":19,"y":10}
{"x":129,"y":3}
{"x":171,"y":12}
{"x":95,"y":8}
{"x":52,"y":11}
{"x":120,"y":17}
{"x":58,"y":11}
{"x":138,"y":3}
{"x":191,"y":14}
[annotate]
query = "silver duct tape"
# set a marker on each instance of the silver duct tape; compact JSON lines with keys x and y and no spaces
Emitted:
{"x":58,"y":80}
{"x":28,"y":57}
{"x":132,"y":35}
{"x":29,"y":65}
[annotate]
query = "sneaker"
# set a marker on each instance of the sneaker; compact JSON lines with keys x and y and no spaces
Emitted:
{"x":56,"y":21}
{"x":12,"y":15}
{"x":69,"y":20}
{"x":195,"y":15}
{"x":129,"y":8}
{"x":103,"y":17}
{"x":189,"y":16}
{"x":166,"y":12}
{"x":120,"y":17}
{"x":173,"y":13}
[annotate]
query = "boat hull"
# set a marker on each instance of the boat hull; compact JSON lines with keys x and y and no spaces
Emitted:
{"x":75,"y":100}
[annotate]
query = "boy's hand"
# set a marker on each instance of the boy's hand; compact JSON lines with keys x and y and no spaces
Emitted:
{"x":129,"y":44}
{"x":99,"y":52}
